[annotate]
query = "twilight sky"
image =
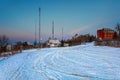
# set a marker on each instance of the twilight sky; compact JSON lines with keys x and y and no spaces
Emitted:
{"x":19,"y":17}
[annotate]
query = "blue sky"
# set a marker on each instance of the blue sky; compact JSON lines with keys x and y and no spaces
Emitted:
{"x":19,"y":17}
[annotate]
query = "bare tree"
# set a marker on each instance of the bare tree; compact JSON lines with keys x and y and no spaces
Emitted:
{"x":118,"y":29}
{"x":3,"y":40}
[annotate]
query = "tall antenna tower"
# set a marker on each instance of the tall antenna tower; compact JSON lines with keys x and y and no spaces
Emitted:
{"x":52,"y":29}
{"x":35,"y":35}
{"x":62,"y":33}
{"x":39,"y":27}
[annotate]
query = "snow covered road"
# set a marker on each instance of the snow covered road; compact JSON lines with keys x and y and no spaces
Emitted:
{"x":83,"y":62}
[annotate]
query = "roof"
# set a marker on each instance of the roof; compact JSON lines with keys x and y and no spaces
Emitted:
{"x":54,"y":41}
{"x":106,"y":30}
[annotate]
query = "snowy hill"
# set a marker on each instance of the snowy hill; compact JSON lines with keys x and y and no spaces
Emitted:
{"x":83,"y":62}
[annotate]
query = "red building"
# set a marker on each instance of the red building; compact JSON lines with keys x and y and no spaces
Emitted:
{"x":106,"y":34}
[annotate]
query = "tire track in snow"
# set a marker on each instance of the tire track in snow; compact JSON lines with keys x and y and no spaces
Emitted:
{"x":41,"y":71}
{"x":17,"y":75}
{"x":102,"y":58}
{"x":51,"y":61}
{"x":50,"y":64}
{"x":43,"y":64}
{"x":63,"y":72}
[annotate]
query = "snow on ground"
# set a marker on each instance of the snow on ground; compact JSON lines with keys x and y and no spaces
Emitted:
{"x":1,"y":58}
{"x":83,"y":62}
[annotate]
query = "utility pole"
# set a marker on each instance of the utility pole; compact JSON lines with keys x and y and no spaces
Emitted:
{"x":39,"y":27}
{"x":62,"y":42}
{"x":53,"y":30}
{"x":62,"y":33}
{"x":35,"y":36}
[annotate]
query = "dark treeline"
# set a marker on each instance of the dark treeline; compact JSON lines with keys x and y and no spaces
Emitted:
{"x":10,"y":48}
{"x":80,"y":39}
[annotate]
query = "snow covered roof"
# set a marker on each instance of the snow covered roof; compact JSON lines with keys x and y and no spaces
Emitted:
{"x":54,"y":41}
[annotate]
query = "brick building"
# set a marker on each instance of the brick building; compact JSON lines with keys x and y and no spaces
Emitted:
{"x":106,"y":34}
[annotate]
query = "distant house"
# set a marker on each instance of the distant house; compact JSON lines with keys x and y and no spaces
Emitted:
{"x":8,"y":47}
{"x":106,"y":34}
{"x":53,"y":43}
{"x":27,"y":45}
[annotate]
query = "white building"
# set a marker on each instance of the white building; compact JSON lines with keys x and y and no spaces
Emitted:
{"x":53,"y":43}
